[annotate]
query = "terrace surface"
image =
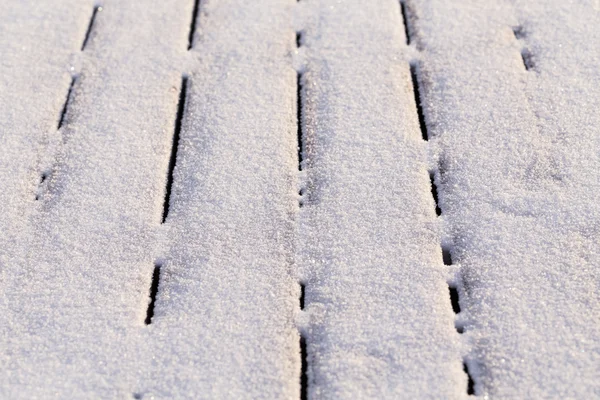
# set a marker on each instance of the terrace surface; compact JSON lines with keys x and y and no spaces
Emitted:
{"x":323,"y":199}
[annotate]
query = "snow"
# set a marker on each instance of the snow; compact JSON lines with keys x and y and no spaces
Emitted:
{"x":517,"y":177}
{"x":225,"y":318}
{"x":370,"y":250}
{"x":513,"y":152}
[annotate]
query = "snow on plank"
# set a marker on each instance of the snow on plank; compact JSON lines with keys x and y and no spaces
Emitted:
{"x":511,"y":99}
{"x":380,"y":321}
{"x":224,"y":317}
{"x":34,"y":80}
{"x":72,"y":309}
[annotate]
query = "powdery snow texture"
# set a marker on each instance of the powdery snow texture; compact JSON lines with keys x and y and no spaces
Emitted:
{"x":381,"y":323}
{"x":514,"y":153}
{"x":518,"y":176}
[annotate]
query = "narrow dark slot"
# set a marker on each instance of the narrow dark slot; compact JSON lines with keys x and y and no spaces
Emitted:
{"x":405,"y":21}
{"x":519,"y":32}
{"x":63,"y":113}
{"x":137,"y":396}
{"x":193,"y":24}
{"x":417,"y":92}
{"x":303,"y":368}
{"x":527,"y":59}
{"x":434,"y":193}
{"x":300,"y":138}
{"x":299,"y":120}
{"x":446,"y":256}
{"x":471,"y":384}
{"x":174,"y":146}
{"x":43,"y":178}
{"x":302,"y":288}
{"x":91,"y":24}
{"x":454,"y":299}
{"x":153,"y":292}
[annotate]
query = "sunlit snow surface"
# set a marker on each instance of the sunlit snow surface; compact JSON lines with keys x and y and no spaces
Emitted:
{"x":510,"y":93}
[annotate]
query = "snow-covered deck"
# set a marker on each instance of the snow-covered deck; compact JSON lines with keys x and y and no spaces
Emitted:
{"x":332,"y":199}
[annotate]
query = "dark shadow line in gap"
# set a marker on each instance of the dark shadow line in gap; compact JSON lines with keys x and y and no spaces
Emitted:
{"x":90,"y":26}
{"x":417,"y":93}
{"x":434,"y":193}
{"x":193,"y":24}
{"x":405,"y":22}
{"x":303,"y":370}
{"x":446,"y":256}
{"x":519,"y":32}
{"x":300,"y":135}
{"x":153,"y":292}
{"x":302,"y":291}
{"x":471,"y":383}
{"x":43,"y":178}
{"x":527,"y":59}
{"x":63,"y":113}
{"x":174,"y":147}
{"x":454,"y":299}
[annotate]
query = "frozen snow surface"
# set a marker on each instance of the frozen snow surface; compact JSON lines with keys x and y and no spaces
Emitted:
{"x":225,"y":199}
